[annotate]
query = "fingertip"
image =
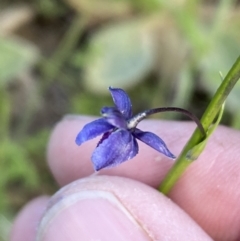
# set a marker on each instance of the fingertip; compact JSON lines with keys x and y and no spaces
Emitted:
{"x":64,"y":155}
{"x":26,"y":223}
{"x":107,"y":208}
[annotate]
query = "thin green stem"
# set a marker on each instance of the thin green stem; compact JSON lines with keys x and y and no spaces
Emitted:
{"x":207,"y":119}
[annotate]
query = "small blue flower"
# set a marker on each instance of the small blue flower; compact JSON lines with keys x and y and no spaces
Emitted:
{"x":119,"y":133}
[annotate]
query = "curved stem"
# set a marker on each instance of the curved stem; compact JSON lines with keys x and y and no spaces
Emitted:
{"x":139,"y":117}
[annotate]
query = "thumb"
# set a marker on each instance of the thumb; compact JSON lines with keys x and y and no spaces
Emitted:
{"x":107,"y":208}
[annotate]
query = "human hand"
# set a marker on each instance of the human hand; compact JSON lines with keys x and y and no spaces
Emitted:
{"x":124,"y":205}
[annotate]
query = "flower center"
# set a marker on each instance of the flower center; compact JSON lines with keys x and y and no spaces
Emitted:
{"x":133,"y":122}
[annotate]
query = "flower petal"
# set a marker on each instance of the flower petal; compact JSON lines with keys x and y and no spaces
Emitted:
{"x":122,"y":101}
{"x":153,"y":141}
{"x":114,"y":117}
{"x":92,"y":130}
{"x":120,"y":146}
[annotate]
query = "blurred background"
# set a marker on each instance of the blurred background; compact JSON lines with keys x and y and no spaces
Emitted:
{"x":59,"y":57}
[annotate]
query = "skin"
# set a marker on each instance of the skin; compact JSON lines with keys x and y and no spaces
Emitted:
{"x":123,"y":202}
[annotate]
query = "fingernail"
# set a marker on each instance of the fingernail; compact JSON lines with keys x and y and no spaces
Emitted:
{"x":90,"y":215}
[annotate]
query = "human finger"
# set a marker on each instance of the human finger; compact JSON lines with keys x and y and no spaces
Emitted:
{"x":115,"y":208}
{"x":205,"y":189}
{"x":26,"y":223}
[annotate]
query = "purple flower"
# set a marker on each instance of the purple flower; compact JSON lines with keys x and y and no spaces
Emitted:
{"x":119,"y":133}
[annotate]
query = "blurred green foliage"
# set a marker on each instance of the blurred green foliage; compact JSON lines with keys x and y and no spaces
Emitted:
{"x":15,"y":57}
{"x":62,"y":58}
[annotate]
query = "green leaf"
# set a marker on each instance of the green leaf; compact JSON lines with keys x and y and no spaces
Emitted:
{"x":123,"y":54}
{"x":195,"y":152}
{"x":15,"y":56}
